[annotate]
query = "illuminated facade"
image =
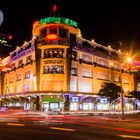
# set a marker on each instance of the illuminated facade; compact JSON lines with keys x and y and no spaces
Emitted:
{"x":59,"y":65}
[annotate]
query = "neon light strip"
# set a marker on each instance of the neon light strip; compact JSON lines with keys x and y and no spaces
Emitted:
{"x":58,"y":20}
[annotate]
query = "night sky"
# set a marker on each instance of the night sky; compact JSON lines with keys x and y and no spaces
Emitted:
{"x":115,"y":23}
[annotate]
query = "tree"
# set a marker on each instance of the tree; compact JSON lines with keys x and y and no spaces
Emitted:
{"x":110,"y":90}
{"x":136,"y":78}
{"x":66,"y":103}
{"x":37,"y":104}
{"x":136,"y":95}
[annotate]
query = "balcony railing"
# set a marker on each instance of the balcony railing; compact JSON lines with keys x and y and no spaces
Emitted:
{"x":60,"y":41}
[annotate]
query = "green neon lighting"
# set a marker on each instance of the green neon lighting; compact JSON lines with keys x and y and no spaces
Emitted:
{"x":49,"y":99}
{"x":58,"y":20}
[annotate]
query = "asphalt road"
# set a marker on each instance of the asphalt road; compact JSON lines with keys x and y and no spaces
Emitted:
{"x":20,"y":126}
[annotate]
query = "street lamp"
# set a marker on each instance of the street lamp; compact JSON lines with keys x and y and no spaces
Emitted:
{"x":129,"y":59}
{"x":122,"y":94}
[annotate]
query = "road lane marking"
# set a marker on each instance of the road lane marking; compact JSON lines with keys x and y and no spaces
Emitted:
{"x":64,"y":129}
{"x":129,"y":136}
{"x":15,"y":124}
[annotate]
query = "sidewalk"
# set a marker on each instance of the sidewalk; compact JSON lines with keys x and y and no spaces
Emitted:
{"x":130,"y":116}
{"x":109,"y":116}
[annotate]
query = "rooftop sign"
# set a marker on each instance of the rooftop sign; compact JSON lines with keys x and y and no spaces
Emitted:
{"x":58,"y":20}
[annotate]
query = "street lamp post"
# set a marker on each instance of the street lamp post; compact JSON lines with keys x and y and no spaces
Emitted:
{"x":122,"y":94}
{"x":122,"y":105}
{"x":122,"y":98}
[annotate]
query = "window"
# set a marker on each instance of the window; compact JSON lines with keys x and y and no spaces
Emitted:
{"x":28,"y":60}
{"x":116,"y":66}
{"x":85,"y":86}
{"x":138,"y":87}
{"x":63,"y":33}
{"x":52,"y":30}
{"x":11,"y":78}
{"x":74,"y":55}
{"x":102,"y":61}
{"x":19,"y":87}
{"x":13,"y":66}
{"x":27,"y":74}
{"x":102,"y":76}
{"x":126,"y":81}
{"x":116,"y":78}
{"x":26,"y":87}
{"x":20,"y":63}
{"x":74,"y":71}
{"x":54,"y":53}
{"x":43,"y":32}
{"x":54,"y":69}
{"x":19,"y":76}
{"x":72,"y":85}
{"x":87,"y":58}
{"x":86,"y":73}
{"x":11,"y":89}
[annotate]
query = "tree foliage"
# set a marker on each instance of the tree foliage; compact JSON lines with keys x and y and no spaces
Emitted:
{"x":110,"y":90}
{"x":135,"y":94}
{"x":136,"y":78}
{"x":37,"y":104}
{"x":66,"y":103}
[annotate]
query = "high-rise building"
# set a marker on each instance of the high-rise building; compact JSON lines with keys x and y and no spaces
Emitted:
{"x":5,"y":46}
{"x":58,"y":69}
{"x":5,"y":49}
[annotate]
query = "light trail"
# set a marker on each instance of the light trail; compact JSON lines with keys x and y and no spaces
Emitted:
{"x":15,"y":124}
{"x":129,"y":136}
{"x":63,"y":129}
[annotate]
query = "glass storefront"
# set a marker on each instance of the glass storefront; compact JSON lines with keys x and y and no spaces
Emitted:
{"x":74,"y":107}
{"x":88,"y":106}
{"x":52,"y":106}
{"x":101,"y":106}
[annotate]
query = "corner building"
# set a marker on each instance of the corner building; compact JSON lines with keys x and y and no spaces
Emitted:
{"x":59,"y":65}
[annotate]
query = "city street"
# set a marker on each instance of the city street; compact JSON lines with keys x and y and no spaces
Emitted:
{"x":69,"y":70}
{"x":17,"y":125}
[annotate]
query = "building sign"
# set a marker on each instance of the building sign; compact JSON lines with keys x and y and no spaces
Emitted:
{"x":51,"y":37}
{"x":17,"y":55}
{"x":49,"y":99}
{"x":58,"y":20}
{"x":103,"y":100}
{"x":75,"y":99}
